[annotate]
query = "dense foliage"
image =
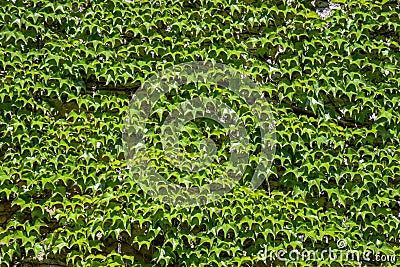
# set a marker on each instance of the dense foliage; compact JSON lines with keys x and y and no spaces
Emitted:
{"x":68,"y":70}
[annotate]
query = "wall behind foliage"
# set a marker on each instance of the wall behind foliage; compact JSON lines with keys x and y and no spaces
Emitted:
{"x":69,"y":68}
